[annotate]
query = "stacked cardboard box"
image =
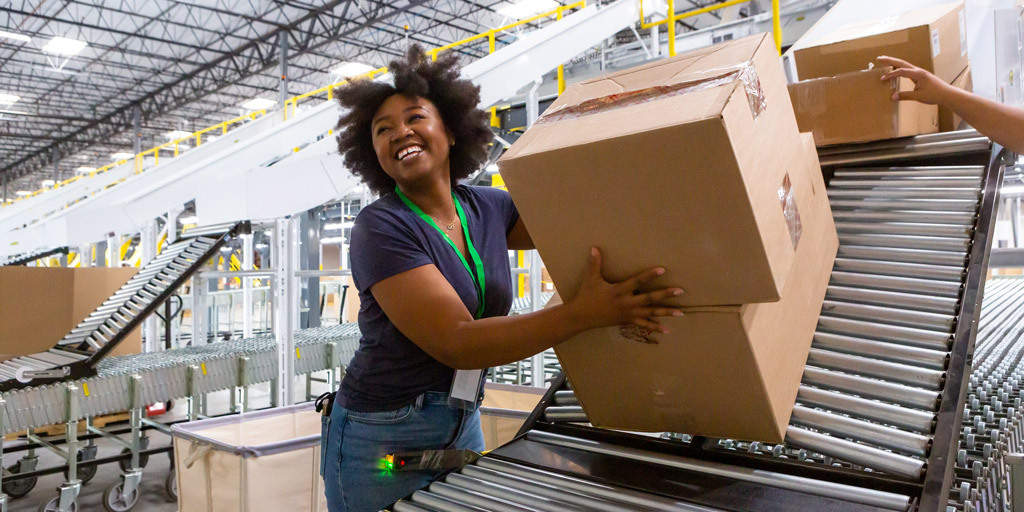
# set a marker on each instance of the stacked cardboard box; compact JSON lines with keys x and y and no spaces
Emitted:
{"x":38,"y":306}
{"x":694,"y":164}
{"x":858,"y":107}
{"x":838,"y":105}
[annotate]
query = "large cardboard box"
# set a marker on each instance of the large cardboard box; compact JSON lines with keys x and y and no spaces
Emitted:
{"x":38,"y":306}
{"x":858,"y":107}
{"x":948,"y":121}
{"x":678,"y":163}
{"x":729,"y":371}
{"x":934,"y":38}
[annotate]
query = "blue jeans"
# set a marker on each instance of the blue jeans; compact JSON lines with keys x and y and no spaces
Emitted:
{"x":354,"y":445}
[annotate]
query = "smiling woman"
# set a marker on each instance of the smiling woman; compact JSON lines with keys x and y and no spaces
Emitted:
{"x":430,"y":262}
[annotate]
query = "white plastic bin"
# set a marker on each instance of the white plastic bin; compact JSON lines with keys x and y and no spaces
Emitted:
{"x":253,"y":462}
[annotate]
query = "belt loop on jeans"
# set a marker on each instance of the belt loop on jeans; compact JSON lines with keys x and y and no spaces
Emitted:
{"x":419,"y":401}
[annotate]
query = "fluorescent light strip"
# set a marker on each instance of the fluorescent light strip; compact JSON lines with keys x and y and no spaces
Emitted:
{"x":16,"y":37}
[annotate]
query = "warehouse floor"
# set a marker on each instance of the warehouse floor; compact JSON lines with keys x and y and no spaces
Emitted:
{"x":153,"y":497}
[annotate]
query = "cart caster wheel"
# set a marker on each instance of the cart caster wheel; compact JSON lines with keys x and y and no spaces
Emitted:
{"x":171,"y":485}
{"x":114,"y":500}
{"x":18,"y":488}
{"x":52,"y":506}
{"x":125,"y":464}
{"x":84,"y":473}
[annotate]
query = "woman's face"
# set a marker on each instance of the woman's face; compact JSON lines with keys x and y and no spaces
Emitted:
{"x":410,"y":140}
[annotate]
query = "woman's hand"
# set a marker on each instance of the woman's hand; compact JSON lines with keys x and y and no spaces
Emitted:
{"x":928,"y":88}
{"x":602,"y":304}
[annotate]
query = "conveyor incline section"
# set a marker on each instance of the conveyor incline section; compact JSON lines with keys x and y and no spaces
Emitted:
{"x":76,"y":355}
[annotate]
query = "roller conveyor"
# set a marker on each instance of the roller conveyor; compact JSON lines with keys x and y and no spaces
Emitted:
{"x":77,"y":354}
{"x":879,"y":412}
{"x":180,"y":373}
{"x":991,"y":429}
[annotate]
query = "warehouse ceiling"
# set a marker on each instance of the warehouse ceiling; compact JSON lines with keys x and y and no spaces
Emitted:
{"x":188,"y":64}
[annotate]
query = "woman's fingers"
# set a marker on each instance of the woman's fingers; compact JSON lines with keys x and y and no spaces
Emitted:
{"x":647,"y":323}
{"x":906,"y":95}
{"x":595,"y":261}
{"x":659,"y":312}
{"x":894,"y":62}
{"x":657,"y":296}
{"x":633,"y":283}
{"x":913,"y":74}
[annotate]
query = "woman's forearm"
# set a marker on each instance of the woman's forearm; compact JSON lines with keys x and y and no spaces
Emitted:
{"x":498,"y":340}
{"x":1001,"y":123}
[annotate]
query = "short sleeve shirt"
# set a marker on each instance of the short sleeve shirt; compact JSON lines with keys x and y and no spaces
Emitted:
{"x":389,"y":370}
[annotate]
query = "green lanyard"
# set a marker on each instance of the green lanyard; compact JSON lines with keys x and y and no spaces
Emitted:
{"x":478,"y":276}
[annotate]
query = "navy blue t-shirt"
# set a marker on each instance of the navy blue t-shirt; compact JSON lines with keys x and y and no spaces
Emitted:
{"x":388,"y":370}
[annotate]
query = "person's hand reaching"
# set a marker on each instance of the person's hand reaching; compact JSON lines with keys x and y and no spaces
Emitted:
{"x":928,"y":88}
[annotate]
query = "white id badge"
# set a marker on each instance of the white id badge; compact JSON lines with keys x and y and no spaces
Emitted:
{"x":465,"y":389}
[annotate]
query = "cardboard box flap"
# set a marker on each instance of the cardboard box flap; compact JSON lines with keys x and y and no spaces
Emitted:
{"x":615,"y":124}
{"x":720,"y":55}
{"x":907,"y":20}
{"x":744,"y":73}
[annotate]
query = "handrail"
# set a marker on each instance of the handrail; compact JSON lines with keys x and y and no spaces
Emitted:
{"x":491,"y":39}
{"x":139,"y":157}
{"x":673,"y":17}
{"x":329,"y":89}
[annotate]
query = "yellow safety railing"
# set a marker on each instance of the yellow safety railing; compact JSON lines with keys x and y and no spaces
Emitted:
{"x":673,"y":17}
{"x":155,"y":151}
{"x":197,"y":135}
{"x":491,"y":36}
{"x":329,"y":89}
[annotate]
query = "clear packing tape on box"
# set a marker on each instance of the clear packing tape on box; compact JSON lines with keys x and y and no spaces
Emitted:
{"x":702,"y":80}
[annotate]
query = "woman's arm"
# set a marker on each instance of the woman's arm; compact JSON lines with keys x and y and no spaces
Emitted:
{"x":424,"y":307}
{"x":1001,"y":123}
{"x":519,"y":238}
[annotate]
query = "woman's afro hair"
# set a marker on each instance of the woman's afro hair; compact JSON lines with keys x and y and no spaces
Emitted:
{"x":415,"y":76}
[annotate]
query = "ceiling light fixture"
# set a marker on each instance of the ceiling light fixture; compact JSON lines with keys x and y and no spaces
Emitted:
{"x":350,"y":69}
{"x":59,"y":51}
{"x":16,"y":37}
{"x":258,"y":104}
{"x":8,"y":99}
{"x":526,"y":8}
{"x":177,"y":134}
{"x":65,"y":47}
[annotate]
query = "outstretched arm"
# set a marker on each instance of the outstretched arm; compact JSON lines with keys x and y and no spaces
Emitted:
{"x":1001,"y":123}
